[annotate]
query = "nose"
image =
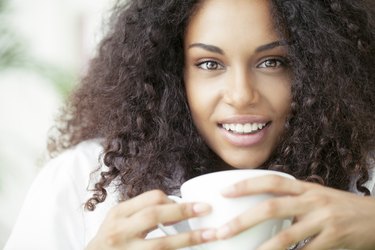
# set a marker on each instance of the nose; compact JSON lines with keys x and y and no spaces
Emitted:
{"x":241,"y":89}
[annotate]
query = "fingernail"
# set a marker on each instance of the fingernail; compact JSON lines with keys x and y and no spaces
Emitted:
{"x":228,"y":191}
{"x":208,"y":235}
{"x":201,"y":208}
{"x":223,"y":232}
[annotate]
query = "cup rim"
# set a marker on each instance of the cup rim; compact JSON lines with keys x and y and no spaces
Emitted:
{"x":260,"y":172}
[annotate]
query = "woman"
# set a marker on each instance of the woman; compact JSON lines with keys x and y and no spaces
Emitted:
{"x":183,"y":88}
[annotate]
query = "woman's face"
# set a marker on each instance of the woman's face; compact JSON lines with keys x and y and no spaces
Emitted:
{"x":237,"y":79}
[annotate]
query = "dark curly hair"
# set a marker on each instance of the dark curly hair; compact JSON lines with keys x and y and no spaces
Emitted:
{"x":133,"y":97}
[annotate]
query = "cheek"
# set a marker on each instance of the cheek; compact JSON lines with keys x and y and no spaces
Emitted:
{"x":198,"y":100}
{"x":279,"y":98}
{"x":282,"y":105}
{"x":202,"y":97}
{"x":194,"y":99}
{"x":285,"y":103}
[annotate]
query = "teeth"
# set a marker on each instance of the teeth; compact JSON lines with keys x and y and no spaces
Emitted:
{"x":239,"y":128}
{"x":245,"y":128}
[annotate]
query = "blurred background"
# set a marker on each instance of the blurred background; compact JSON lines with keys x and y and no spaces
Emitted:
{"x":44,"y":49}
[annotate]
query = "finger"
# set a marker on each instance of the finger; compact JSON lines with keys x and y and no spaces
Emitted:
{"x":141,"y":223}
{"x":131,"y":206}
{"x":148,"y":218}
{"x":267,"y":184}
{"x":281,"y":207}
{"x":321,"y":241}
{"x":294,"y":234}
{"x":180,"y":240}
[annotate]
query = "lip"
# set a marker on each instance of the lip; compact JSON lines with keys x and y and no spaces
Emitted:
{"x":245,"y":140}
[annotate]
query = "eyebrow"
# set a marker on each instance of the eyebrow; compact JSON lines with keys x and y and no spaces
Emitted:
{"x":207,"y":47}
{"x":272,"y":45}
{"x":215,"y":49}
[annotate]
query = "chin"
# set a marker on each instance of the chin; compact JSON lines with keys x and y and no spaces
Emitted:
{"x":238,"y":165}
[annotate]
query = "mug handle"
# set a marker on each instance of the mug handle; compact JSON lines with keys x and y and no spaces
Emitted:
{"x":171,"y":229}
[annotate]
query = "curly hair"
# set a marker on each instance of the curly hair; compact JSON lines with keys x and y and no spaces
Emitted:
{"x":133,"y":97}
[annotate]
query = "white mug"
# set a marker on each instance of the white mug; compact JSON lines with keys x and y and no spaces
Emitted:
{"x":207,"y":188}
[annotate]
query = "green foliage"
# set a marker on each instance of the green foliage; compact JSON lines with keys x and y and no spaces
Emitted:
{"x":14,"y":54}
{"x":11,"y":50}
{"x":2,"y":5}
{"x":10,"y":47}
{"x":62,"y":80}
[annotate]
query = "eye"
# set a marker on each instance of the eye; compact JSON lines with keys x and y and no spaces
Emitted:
{"x":273,"y":63}
{"x":209,"y":65}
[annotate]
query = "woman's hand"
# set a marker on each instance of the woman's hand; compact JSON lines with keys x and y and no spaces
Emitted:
{"x":127,"y":224}
{"x":334,"y":219}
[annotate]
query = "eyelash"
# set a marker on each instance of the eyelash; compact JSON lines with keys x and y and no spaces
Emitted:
{"x":218,"y":65}
{"x":280,"y":62}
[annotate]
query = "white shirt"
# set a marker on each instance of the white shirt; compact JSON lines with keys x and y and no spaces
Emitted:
{"x":53,"y":217}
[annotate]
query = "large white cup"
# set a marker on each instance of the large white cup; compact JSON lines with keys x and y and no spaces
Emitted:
{"x":207,"y":188}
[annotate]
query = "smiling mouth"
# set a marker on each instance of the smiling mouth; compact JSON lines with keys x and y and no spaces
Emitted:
{"x":244,"y":128}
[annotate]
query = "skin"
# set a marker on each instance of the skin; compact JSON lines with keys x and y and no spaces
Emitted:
{"x":240,"y":77}
{"x":127,"y":224}
{"x":236,"y":72}
{"x":336,"y":219}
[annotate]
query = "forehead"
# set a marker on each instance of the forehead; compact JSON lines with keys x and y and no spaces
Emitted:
{"x":238,"y":17}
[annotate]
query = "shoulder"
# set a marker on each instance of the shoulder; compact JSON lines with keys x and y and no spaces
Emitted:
{"x":56,"y":197}
{"x":83,"y":157}
{"x":70,"y":172}
{"x":79,"y":165}
{"x":76,"y":163}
